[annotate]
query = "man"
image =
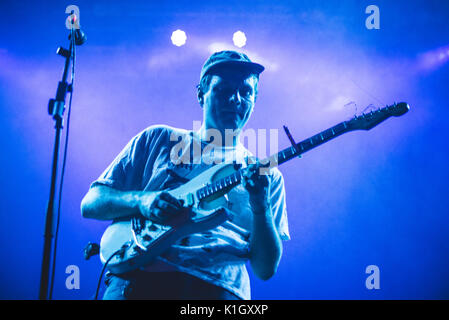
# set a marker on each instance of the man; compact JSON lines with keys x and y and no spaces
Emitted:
{"x":209,"y":264}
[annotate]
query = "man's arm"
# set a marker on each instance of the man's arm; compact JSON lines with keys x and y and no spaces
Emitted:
{"x":106,"y":203}
{"x":265,"y":242}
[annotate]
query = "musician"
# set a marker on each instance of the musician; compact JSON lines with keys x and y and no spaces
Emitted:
{"x":209,"y":264}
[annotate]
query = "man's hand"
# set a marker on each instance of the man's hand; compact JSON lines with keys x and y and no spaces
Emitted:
{"x":257,"y":185}
{"x":161,"y":207}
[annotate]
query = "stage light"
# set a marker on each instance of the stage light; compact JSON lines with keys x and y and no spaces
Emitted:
{"x":239,"y":39}
{"x":178,"y":38}
{"x":434,"y":58}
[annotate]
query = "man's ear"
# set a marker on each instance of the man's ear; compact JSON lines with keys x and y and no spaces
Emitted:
{"x":200,"y":97}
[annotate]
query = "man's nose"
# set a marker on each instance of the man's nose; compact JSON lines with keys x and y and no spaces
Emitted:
{"x":235,"y":98}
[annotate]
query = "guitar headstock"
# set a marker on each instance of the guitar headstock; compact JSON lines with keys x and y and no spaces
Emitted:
{"x":370,"y":120}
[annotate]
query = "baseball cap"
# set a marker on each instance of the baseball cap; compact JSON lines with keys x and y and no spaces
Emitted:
{"x":230,"y":58}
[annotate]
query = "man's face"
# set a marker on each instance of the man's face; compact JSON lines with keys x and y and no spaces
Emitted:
{"x":229,"y":100}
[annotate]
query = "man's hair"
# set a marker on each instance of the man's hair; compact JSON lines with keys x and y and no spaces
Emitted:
{"x":204,"y":84}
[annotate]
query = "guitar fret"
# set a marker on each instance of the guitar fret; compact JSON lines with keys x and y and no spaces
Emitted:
{"x":219,"y":185}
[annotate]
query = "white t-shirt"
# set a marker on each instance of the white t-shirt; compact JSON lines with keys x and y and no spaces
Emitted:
{"x":219,"y":255}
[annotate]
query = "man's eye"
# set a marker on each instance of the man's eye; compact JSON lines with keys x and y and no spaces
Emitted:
{"x":246,"y":92}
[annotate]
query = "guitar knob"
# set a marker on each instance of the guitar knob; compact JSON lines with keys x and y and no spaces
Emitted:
{"x":122,"y":251}
{"x":136,"y":250}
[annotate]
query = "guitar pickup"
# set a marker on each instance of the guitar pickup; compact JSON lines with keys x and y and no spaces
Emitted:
{"x":190,"y":200}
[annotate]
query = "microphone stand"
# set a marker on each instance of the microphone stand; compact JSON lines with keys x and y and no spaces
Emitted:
{"x":56,"y":109}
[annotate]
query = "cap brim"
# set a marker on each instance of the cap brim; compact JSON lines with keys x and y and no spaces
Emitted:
{"x":251,"y":67}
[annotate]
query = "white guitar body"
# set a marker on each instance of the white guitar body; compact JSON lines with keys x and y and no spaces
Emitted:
{"x":140,"y":241}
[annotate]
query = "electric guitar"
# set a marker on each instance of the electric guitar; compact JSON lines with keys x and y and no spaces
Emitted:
{"x":128,"y":245}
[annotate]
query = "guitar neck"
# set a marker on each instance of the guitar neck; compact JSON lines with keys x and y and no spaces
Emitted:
{"x":364,"y":122}
{"x":281,"y":157}
{"x":308,"y":144}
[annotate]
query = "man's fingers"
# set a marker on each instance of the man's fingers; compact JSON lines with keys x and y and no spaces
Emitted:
{"x":248,"y":180}
{"x":156,"y":215}
{"x":166,"y":206}
{"x":169,"y":198}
